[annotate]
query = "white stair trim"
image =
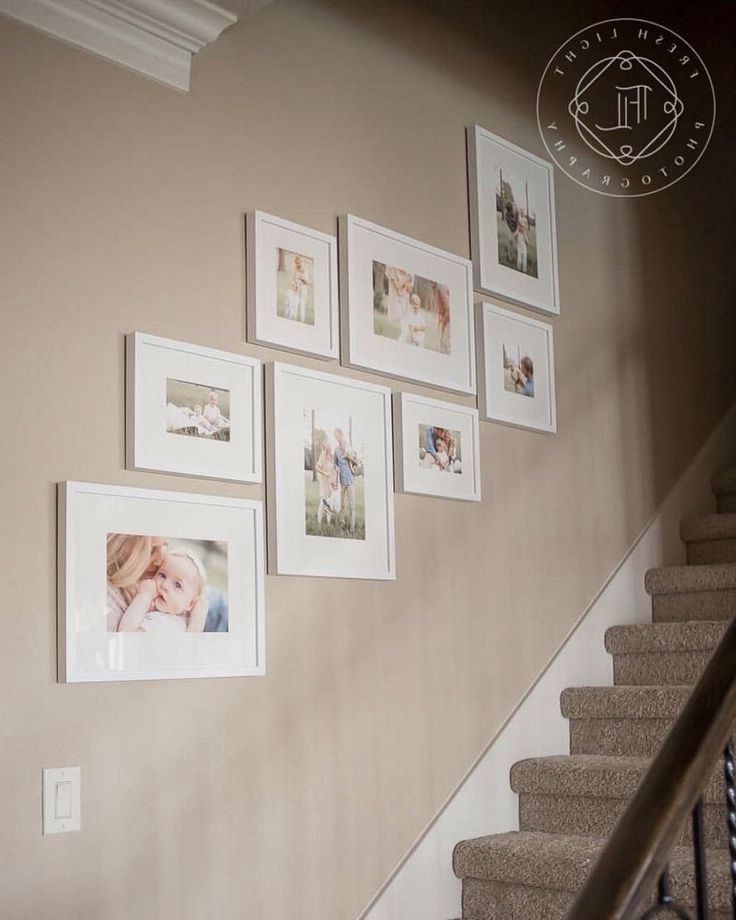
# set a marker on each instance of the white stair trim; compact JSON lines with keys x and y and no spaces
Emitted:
{"x":154,"y":37}
{"x":422,"y":886}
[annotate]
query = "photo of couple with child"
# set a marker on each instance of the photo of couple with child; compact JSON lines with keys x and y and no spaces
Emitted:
{"x":159,"y":585}
{"x":439,"y":449}
{"x":334,"y":497}
{"x":411,"y":309}
{"x":197,"y":411}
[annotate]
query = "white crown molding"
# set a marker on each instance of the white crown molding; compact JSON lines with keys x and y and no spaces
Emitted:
{"x":154,"y":37}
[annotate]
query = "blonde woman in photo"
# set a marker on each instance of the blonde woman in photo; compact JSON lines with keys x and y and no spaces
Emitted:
{"x":298,"y":291}
{"x":400,"y":286}
{"x":328,"y":482}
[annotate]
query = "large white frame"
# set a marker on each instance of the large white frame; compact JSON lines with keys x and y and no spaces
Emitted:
{"x":88,"y":652}
{"x":485,"y":151}
{"x":150,"y":361}
{"x":361,"y":243}
{"x":264,"y":234}
{"x":497,"y":405}
{"x":410,"y":411}
{"x":291,"y":551}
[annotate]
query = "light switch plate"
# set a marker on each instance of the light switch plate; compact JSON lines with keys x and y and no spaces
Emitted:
{"x":61,"y":800}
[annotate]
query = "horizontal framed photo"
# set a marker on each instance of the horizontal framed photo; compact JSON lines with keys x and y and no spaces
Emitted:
{"x":330,"y":475}
{"x":193,"y":411}
{"x":291,"y":286}
{"x":512,"y":222}
{"x":517,"y":369}
{"x":437,"y":448}
{"x":407,"y":307}
{"x":158,"y":584}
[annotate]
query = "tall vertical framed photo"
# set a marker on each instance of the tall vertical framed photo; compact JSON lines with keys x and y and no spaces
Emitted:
{"x":407,"y":307}
{"x":158,"y":584}
{"x":516,"y":366}
{"x":437,"y":448}
{"x":329,"y":475}
{"x":292,"y":293}
{"x":193,"y":411}
{"x":512,"y":222}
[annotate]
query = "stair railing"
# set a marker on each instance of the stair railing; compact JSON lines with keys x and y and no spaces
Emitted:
{"x":635,"y":859}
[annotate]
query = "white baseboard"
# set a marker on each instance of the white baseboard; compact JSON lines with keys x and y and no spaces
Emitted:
{"x":423,"y":887}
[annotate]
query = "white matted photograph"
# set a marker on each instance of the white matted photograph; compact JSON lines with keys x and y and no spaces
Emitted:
{"x":516,"y":368}
{"x":437,"y":448}
{"x":330,"y":475}
{"x":193,"y":411}
{"x":158,"y":584}
{"x":292,"y":293}
{"x":407,"y":307}
{"x":512,"y":222}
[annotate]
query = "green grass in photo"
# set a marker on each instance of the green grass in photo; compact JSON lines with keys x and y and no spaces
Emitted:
{"x":507,"y":248}
{"x":339,"y":526}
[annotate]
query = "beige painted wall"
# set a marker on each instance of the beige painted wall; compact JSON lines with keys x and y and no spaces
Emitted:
{"x":294,"y":795}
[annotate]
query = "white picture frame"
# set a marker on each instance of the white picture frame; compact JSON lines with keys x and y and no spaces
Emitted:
{"x":164,"y":381}
{"x":303,"y":320}
{"x":505,"y":337}
{"x":525,"y":274}
{"x":102,"y":530}
{"x":381,"y":271}
{"x":422,"y":465}
{"x":317,"y":525}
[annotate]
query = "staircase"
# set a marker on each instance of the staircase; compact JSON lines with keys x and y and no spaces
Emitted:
{"x":569,"y":803}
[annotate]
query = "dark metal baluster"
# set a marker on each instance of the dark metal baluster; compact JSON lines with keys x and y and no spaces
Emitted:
{"x":666,"y":901}
{"x":701,"y":881}
{"x":730,"y":774}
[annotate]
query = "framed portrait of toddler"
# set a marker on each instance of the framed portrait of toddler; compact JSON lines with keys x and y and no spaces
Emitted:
{"x":512,"y":222}
{"x":292,"y":295}
{"x":407,"y":307}
{"x":157,"y":584}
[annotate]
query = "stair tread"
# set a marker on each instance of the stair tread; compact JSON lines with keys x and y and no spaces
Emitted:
{"x":561,"y":862}
{"x":623,"y":702}
{"x":686,"y":636}
{"x":593,"y":776}
{"x":724,"y":482}
{"x":708,"y":527}
{"x":681,"y":579}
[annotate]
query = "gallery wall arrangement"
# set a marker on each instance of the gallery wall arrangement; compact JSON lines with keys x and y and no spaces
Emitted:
{"x":159,"y":584}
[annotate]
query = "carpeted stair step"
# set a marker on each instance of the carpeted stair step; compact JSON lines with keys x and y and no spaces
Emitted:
{"x":695,"y":592}
{"x":584,"y":795}
{"x":628,"y":721}
{"x":709,"y":538}
{"x":724,"y":489}
{"x":662,"y":653}
{"x":524,"y":874}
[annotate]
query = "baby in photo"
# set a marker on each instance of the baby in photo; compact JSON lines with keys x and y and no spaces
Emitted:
{"x":168,"y":600}
{"x":414,"y":323}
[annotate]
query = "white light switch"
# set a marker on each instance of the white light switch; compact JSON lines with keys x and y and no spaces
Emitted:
{"x":61,"y":800}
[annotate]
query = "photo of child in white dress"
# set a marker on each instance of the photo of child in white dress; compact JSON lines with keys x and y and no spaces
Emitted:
{"x":295,"y":286}
{"x":334,"y":476}
{"x":516,"y":224}
{"x":518,"y":372}
{"x":410,"y":309}
{"x":440,"y":449}
{"x":197,"y":411}
{"x":162,"y":584}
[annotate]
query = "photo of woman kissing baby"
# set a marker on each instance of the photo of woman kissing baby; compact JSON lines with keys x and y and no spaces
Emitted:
{"x":157,"y":584}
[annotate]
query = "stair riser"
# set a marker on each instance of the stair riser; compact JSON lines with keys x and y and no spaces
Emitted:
{"x":726,"y":503}
{"x":664,"y":668}
{"x":695,"y":605}
{"x":707,"y":552}
{"x":484,"y":900}
{"x":626,"y":737}
{"x":595,"y":817}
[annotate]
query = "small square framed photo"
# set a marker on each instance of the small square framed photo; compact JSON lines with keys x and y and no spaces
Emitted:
{"x":193,"y":411}
{"x":516,"y":368}
{"x":407,"y":307}
{"x":437,"y":448}
{"x":291,"y":286}
{"x":330,"y":475}
{"x":512,"y":222}
{"x":158,"y":584}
